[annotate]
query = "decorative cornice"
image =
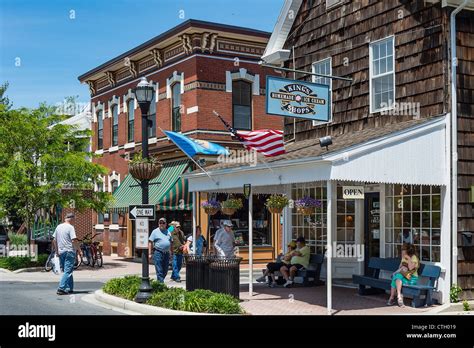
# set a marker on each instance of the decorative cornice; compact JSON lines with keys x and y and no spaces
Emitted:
{"x":187,"y":44}
{"x":110,"y":78}
{"x":157,"y":57}
{"x":213,"y":42}
{"x":133,"y":69}
{"x":92,"y":89}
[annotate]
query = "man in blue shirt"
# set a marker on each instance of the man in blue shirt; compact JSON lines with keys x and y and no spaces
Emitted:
{"x":159,"y":247}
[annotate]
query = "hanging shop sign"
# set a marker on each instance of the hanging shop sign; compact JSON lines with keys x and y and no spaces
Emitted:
{"x":247,"y":190}
{"x":353,"y":192}
{"x":300,"y":99}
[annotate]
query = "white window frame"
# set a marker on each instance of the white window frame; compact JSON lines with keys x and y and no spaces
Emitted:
{"x":371,"y":74}
{"x":333,"y":4}
{"x":314,"y":78}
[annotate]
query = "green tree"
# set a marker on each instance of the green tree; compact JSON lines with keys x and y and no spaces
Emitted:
{"x":44,"y":164}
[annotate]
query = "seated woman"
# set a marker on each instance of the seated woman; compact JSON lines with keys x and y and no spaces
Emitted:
{"x":407,"y":273}
{"x":299,"y":259}
{"x":275,"y":266}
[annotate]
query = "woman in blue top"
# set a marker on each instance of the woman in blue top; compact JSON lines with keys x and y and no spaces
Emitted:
{"x":201,"y":244}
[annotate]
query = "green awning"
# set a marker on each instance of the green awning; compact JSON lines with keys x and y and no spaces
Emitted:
{"x":170,"y":194}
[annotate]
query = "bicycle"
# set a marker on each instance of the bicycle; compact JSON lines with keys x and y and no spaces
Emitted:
{"x":49,"y":261}
{"x":91,"y":252}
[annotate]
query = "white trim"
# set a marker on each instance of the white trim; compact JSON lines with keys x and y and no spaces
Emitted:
{"x":113,"y":149}
{"x":175,"y":78}
{"x":170,"y":66}
{"x":114,"y":227}
{"x":129,"y":145}
{"x":192,"y":110}
{"x":313,"y":79}
{"x":371,"y":75}
{"x":114,"y":101}
{"x":99,"y":152}
{"x":99,"y":227}
{"x":282,"y":29}
{"x":242,"y":74}
{"x":152,"y":140}
{"x":113,"y":177}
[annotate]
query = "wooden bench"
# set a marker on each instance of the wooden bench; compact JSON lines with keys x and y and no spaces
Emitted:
{"x":307,"y":276}
{"x":428,"y":277}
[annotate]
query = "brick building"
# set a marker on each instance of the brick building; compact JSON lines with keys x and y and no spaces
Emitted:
{"x":195,"y":67}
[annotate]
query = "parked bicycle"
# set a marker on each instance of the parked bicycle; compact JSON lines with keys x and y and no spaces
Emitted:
{"x":49,"y":261}
{"x":91,"y":252}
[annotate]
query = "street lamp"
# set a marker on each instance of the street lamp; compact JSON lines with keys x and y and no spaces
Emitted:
{"x":144,"y":95}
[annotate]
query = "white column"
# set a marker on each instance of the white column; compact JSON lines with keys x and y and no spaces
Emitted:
{"x":329,"y":246}
{"x":250,"y":245}
{"x":447,"y":262}
{"x":195,"y":202}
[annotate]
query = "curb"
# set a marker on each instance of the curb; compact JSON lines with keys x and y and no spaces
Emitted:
{"x":29,"y":269}
{"x":456,"y":309}
{"x":137,"y":307}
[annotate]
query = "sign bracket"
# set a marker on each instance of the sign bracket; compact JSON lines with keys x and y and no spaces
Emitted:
{"x":307,"y":72}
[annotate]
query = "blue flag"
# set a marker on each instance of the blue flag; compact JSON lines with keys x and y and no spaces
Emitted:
{"x":192,"y":147}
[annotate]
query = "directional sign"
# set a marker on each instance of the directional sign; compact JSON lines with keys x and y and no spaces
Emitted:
{"x":141,"y":211}
{"x":142,"y":231}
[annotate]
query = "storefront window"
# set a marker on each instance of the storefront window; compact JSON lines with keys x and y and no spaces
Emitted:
{"x":345,"y":219}
{"x":261,"y":221}
{"x":312,"y":228}
{"x":413,"y":215}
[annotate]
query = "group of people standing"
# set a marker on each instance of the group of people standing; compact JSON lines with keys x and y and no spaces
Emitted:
{"x":169,"y":243}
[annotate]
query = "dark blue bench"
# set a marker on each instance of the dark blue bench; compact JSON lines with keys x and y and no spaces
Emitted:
{"x":310,"y":275}
{"x":422,"y":294}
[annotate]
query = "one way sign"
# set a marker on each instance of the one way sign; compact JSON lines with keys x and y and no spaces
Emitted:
{"x":141,"y":211}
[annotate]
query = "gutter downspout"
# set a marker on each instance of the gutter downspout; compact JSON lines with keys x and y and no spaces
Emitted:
{"x":454,"y":143}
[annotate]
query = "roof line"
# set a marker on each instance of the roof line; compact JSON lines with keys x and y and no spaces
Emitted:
{"x":170,"y":32}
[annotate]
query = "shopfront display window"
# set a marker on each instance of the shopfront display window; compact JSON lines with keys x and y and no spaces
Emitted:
{"x":345,"y":219}
{"x":311,"y":227}
{"x":261,"y":221}
{"x":413,"y":215}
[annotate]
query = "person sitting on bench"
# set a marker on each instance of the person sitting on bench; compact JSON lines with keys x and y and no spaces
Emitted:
{"x":299,"y":260}
{"x":407,"y":273}
{"x":275,"y":266}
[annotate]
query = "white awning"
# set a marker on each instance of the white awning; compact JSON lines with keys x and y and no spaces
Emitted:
{"x":416,"y":156}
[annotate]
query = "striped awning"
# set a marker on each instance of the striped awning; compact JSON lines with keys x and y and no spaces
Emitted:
{"x":168,"y":191}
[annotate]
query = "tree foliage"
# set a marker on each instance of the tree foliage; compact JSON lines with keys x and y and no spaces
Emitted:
{"x":44,"y":164}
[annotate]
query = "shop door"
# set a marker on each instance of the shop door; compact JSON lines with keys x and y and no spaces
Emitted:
{"x":371,"y":228}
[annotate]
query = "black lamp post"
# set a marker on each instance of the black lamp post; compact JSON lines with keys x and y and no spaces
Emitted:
{"x":144,"y":94}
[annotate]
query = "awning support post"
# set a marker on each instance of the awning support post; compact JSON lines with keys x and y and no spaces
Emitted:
{"x":329,"y":246}
{"x":250,"y":244}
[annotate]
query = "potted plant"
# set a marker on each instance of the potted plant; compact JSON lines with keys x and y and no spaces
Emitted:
{"x":144,"y":168}
{"x":307,"y":205}
{"x":276,"y":203}
{"x":211,"y":206}
{"x":229,"y":206}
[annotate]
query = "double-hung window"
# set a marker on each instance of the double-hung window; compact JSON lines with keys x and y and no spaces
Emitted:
{"x":382,"y":74}
{"x":176,"y":99}
{"x":115,"y":125}
{"x":323,"y":67}
{"x":242,"y":104}
{"x":152,"y":118}
{"x":100,"y":130}
{"x":130,"y":120}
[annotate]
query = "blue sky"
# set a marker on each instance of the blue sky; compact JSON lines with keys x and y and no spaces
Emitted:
{"x":43,"y":49}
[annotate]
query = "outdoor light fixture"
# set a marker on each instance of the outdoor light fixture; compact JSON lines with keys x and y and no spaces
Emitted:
{"x":144,"y":94}
{"x":325,"y":142}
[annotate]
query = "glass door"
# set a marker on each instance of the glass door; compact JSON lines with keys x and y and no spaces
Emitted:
{"x":371,"y":227}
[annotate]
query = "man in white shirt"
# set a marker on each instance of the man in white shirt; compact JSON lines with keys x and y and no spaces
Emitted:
{"x":65,"y":244}
{"x":224,"y":240}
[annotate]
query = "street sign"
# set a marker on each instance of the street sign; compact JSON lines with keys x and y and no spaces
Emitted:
{"x":141,"y":211}
{"x":141,"y":233}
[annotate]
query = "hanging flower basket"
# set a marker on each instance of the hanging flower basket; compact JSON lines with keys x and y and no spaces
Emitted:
{"x":307,"y":205}
{"x":144,"y":169}
{"x":228,"y":211}
{"x":211,"y":207}
{"x":276,"y":203}
{"x":231,"y":205}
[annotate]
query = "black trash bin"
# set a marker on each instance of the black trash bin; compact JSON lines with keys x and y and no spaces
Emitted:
{"x":224,"y":275}
{"x":197,"y":272}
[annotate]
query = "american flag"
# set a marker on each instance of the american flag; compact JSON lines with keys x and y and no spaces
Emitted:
{"x":269,"y":142}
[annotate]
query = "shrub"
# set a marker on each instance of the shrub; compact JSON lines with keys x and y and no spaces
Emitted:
{"x":17,"y":239}
{"x":13,"y":263}
{"x":454,"y":293}
{"x":223,"y":304}
{"x":173,"y":298}
{"x":465,"y":306}
{"x":126,"y":287}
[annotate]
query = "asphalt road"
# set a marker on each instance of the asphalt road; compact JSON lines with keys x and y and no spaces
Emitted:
{"x":35,"y":298}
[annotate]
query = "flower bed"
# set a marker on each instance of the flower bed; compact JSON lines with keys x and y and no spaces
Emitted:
{"x":198,"y":301}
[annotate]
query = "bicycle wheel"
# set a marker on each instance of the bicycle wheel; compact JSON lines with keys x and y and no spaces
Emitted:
{"x":78,"y":261}
{"x":100,"y":260}
{"x":49,"y":263}
{"x":92,"y":260}
{"x":85,"y":257}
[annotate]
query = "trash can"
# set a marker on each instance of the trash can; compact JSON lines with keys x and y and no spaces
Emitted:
{"x":197,"y":272}
{"x":224,"y":275}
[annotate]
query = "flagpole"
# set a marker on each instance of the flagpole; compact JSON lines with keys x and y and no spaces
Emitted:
{"x":192,"y":159}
